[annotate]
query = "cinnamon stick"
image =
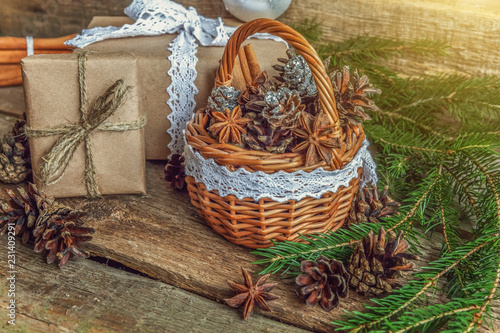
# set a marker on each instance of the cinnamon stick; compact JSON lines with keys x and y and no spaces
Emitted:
{"x":244,"y":66}
{"x":15,"y":56}
{"x":10,"y":75}
{"x":253,"y":63}
{"x":19,"y":43}
{"x":239,"y":82}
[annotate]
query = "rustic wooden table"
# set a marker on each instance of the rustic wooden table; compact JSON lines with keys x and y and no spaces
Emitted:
{"x":155,"y":267}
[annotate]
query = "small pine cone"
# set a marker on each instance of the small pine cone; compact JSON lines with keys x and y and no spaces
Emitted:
{"x":325,"y":281}
{"x":52,"y":226}
{"x":296,"y":74}
{"x":252,"y":99}
{"x":222,"y":98}
{"x":15,"y":162}
{"x":370,"y":206}
{"x":283,"y":108}
{"x":261,"y":137}
{"x":175,"y":172}
{"x":375,"y":265}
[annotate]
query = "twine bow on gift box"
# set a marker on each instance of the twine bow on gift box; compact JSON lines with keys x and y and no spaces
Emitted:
{"x":92,"y":119}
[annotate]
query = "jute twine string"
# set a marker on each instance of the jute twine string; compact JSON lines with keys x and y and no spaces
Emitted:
{"x":72,"y":135}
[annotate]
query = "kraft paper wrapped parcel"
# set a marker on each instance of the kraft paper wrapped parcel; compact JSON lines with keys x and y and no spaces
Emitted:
{"x":52,"y":94}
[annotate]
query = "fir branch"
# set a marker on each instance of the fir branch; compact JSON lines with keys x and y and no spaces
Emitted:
{"x":369,"y":49}
{"x":396,"y":115}
{"x":443,"y":223}
{"x":437,"y":317}
{"x":437,"y":137}
{"x":403,"y":298}
{"x":465,"y":188}
{"x":493,"y":290}
{"x":309,"y":29}
{"x":287,"y":254}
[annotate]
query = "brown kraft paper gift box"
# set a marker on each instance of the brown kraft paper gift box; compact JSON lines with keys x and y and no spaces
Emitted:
{"x":153,"y":65}
{"x":52,"y":95}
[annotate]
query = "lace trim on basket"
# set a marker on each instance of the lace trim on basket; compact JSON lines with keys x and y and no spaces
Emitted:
{"x":157,"y":17}
{"x":279,"y":186}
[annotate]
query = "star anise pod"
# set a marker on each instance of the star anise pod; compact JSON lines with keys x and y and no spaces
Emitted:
{"x":315,"y":131}
{"x":249,"y":294}
{"x":229,"y":126}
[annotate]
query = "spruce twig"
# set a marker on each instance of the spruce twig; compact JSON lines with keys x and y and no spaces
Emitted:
{"x":436,"y":166}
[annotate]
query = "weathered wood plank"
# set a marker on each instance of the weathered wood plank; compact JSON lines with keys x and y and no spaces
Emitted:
{"x":161,"y":235}
{"x":90,"y":297}
{"x":12,"y":101}
{"x":471,"y":27}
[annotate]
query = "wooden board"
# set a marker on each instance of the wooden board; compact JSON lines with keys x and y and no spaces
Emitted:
{"x":90,"y":297}
{"x":470,"y":26}
{"x":161,"y":235}
{"x":12,"y":101}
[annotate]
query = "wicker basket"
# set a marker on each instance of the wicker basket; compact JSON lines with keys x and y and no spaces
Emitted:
{"x":254,"y":223}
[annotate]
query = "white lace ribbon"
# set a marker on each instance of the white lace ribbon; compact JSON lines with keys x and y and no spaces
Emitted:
{"x":279,"y":186}
{"x":157,"y":17}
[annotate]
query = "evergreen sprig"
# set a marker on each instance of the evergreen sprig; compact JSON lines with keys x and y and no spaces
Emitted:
{"x":438,"y":143}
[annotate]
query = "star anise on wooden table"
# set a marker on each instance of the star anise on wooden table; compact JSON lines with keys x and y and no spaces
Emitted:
{"x":249,"y":294}
{"x":315,"y":131}
{"x":229,"y":126}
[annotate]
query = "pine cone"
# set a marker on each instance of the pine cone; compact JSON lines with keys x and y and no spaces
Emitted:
{"x":260,"y":136}
{"x":325,"y":281}
{"x":175,"y":172}
{"x":369,"y":206}
{"x":15,"y":161}
{"x":283,"y":108}
{"x":50,"y":225}
{"x":351,"y":93}
{"x":375,"y":265}
{"x":296,"y":74}
{"x":252,"y":99}
{"x":222,"y":98}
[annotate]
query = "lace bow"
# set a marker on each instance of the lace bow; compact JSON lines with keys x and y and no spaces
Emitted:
{"x":157,"y":17}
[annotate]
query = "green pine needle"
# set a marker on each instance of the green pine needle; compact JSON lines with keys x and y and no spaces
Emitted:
{"x":438,"y":141}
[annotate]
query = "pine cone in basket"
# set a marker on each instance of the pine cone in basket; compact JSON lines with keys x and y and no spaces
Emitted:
{"x":252,"y":99}
{"x":283,"y":108}
{"x":351,"y":94}
{"x":261,"y":136}
{"x":175,"y":172}
{"x":222,"y":98}
{"x":369,"y":206}
{"x":325,"y":281}
{"x":52,"y":226}
{"x":375,"y":265}
{"x":296,"y":74}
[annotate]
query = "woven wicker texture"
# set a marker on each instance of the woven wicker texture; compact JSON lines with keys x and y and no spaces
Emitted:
{"x":254,"y":224}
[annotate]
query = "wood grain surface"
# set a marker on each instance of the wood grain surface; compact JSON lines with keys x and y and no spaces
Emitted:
{"x":471,"y":27}
{"x":161,"y":235}
{"x":90,"y":297}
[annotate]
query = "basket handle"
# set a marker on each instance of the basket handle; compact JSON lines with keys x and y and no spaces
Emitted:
{"x":301,"y":45}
